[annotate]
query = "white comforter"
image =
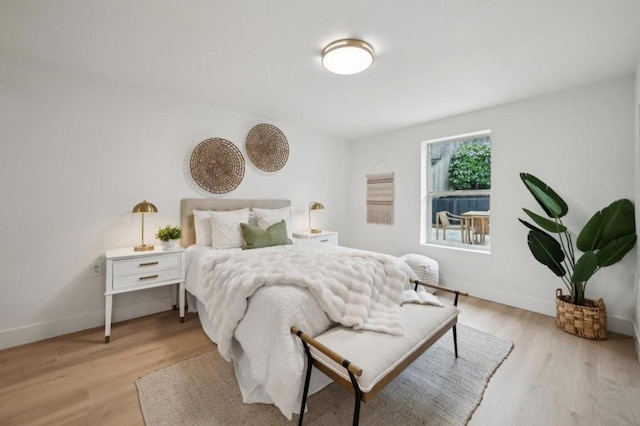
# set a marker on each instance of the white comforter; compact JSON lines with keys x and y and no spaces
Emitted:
{"x":322,"y":283}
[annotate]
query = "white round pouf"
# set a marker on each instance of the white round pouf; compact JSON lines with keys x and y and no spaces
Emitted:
{"x":425,"y":268}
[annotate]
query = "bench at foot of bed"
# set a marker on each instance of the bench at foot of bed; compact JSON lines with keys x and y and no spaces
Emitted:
{"x":364,"y":362}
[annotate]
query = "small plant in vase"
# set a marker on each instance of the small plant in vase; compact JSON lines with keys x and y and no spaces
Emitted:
{"x":169,"y":235}
{"x":604,"y":240}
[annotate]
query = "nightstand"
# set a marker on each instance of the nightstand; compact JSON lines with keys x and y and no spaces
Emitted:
{"x":129,"y":270}
{"x":330,"y":237}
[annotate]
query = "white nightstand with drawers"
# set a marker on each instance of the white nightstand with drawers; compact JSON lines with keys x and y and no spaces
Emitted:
{"x":330,"y":237}
{"x":129,"y":270}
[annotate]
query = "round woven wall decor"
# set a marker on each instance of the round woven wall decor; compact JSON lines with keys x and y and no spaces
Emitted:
{"x":217,"y":165}
{"x":267,"y":147}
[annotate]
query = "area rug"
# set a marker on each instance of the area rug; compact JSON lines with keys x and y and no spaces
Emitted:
{"x":437,"y":389}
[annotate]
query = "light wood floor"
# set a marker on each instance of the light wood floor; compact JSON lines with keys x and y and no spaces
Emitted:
{"x":550,"y":377}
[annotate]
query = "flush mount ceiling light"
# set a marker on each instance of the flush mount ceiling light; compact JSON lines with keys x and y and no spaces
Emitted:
{"x":348,"y":56}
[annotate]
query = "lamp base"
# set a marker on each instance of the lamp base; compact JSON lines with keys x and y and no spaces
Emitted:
{"x":315,"y":231}
{"x":143,"y":247}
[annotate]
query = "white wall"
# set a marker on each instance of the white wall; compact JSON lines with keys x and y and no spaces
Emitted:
{"x":579,"y":141}
{"x":77,"y":153}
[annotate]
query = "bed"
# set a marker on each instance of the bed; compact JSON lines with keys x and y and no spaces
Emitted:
{"x":250,"y":320}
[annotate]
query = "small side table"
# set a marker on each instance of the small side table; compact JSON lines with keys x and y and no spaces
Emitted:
{"x":129,"y":270}
{"x":330,"y":237}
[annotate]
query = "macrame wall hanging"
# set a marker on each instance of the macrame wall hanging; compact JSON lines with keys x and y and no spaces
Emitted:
{"x":380,"y":198}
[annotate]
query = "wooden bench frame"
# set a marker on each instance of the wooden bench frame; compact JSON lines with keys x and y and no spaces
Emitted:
{"x":353,"y":370}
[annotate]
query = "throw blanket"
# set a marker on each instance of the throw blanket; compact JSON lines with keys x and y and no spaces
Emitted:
{"x":355,"y":288}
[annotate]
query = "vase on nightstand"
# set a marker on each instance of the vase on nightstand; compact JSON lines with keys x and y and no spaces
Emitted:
{"x":170,"y":245}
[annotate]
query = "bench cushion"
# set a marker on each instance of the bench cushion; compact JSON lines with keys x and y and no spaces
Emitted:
{"x":379,"y":353}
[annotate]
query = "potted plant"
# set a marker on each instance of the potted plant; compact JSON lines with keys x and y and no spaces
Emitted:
{"x":604,"y":240}
{"x":169,"y":235}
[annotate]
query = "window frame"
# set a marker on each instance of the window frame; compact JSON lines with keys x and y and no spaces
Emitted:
{"x":426,"y":196}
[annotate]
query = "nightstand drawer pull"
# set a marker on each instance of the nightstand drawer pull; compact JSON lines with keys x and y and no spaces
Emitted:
{"x":149,"y":263}
{"x":150,"y":277}
{"x":324,"y":241}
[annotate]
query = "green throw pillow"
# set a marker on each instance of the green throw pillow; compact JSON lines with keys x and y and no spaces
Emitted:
{"x":256,"y":237}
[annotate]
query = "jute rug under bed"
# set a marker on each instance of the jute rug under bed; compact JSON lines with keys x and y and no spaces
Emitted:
{"x":437,"y":389}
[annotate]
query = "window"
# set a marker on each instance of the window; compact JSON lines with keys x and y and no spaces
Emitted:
{"x":456,"y":191}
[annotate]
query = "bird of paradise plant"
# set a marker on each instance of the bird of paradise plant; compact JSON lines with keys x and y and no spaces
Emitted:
{"x":604,"y":240}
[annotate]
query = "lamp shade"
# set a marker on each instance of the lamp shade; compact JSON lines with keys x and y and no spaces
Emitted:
{"x":145,"y":207}
{"x":316,"y":206}
{"x":347,"y":56}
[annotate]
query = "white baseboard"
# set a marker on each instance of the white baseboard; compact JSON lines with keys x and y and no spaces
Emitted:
{"x":541,"y":306}
{"x":45,"y":330}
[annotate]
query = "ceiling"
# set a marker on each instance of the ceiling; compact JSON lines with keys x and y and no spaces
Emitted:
{"x":434,"y":58}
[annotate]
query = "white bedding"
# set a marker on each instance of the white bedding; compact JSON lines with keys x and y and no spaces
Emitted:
{"x":268,"y":359}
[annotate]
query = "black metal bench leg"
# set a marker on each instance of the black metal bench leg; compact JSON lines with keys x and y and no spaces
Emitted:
{"x":306,"y":382}
{"x":358,"y":396}
{"x":455,"y":330}
{"x":455,"y":340}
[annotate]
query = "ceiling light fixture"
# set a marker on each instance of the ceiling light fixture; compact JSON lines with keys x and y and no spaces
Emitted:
{"x":348,"y":56}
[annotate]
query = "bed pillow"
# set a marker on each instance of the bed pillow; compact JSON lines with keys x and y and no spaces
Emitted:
{"x":257,"y":237}
{"x":225,"y":228}
{"x":267,"y":217}
{"x":202,"y":225}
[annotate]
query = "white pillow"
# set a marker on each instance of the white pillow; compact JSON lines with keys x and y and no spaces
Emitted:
{"x":268,"y":217}
{"x":225,"y":228}
{"x":202,"y":224}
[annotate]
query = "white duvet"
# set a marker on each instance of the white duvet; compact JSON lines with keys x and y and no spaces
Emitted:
{"x":253,"y":298}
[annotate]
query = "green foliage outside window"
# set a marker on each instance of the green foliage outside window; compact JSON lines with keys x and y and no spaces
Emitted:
{"x":470,"y":167}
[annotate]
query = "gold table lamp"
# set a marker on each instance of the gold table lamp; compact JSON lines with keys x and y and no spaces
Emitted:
{"x":144,"y":207}
{"x":314,"y":205}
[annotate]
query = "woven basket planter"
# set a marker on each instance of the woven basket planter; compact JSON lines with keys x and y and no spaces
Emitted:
{"x":589,"y":321}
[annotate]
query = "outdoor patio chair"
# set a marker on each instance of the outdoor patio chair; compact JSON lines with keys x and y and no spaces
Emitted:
{"x":480,"y":229}
{"x":446,"y":220}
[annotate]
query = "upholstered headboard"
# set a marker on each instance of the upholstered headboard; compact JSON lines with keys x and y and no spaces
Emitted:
{"x":191,"y":204}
